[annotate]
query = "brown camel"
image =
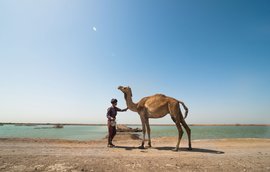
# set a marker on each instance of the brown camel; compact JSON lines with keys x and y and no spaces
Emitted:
{"x":157,"y":106}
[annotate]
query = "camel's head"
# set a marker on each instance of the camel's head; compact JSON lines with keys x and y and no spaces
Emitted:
{"x":126,"y":90}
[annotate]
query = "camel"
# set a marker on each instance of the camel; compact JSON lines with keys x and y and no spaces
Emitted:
{"x":158,"y":106}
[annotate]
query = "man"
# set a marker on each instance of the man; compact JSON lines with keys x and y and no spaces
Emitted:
{"x":111,"y":115}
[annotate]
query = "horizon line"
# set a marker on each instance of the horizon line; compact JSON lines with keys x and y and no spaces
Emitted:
{"x":104,"y":124}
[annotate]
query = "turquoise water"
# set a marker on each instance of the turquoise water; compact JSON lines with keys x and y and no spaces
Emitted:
{"x":215,"y":132}
{"x":74,"y":132}
{"x":69,"y":132}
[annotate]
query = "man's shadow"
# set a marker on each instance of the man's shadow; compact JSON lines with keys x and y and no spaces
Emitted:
{"x":168,"y":148}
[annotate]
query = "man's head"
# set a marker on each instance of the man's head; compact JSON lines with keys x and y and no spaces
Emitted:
{"x":114,"y":102}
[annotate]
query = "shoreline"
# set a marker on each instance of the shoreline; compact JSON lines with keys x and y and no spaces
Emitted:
{"x":86,"y":124}
{"x":127,"y":136}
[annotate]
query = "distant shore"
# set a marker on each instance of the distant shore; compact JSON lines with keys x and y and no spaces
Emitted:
{"x":84,"y":124}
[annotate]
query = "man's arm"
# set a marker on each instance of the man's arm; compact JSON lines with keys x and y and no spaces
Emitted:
{"x":122,"y":110}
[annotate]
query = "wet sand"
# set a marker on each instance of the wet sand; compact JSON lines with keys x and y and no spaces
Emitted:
{"x":62,"y":155}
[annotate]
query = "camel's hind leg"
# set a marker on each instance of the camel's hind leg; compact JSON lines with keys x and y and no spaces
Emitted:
{"x":188,"y":132}
{"x":175,"y":115}
{"x":180,"y":132}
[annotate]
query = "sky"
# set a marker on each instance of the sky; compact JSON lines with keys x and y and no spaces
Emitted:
{"x":61,"y":61}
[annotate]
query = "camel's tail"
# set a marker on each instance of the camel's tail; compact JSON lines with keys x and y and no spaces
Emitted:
{"x":186,"y":109}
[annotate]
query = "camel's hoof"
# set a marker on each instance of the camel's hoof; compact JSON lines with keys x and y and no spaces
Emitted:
{"x":141,"y":147}
{"x":175,"y":149}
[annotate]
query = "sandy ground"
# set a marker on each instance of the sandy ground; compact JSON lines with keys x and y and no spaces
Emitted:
{"x":207,"y":155}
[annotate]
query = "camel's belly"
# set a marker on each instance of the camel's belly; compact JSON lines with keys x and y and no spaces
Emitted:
{"x":156,"y":114}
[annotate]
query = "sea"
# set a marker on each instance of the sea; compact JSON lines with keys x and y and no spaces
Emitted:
{"x":96,"y":132}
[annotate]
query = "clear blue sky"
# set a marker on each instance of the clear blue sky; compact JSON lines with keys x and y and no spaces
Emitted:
{"x":62,"y":61}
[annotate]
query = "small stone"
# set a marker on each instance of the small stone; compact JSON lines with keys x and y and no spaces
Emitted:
{"x":168,"y":165}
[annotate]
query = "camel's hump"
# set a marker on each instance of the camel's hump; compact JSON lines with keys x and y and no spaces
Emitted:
{"x":159,"y":95}
{"x":163,"y":97}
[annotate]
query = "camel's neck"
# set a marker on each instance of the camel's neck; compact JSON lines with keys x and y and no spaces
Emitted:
{"x":131,"y":106}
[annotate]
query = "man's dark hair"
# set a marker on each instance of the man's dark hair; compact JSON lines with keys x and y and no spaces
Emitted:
{"x":114,"y":101}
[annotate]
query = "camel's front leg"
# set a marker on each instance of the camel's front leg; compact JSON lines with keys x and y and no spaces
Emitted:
{"x":144,"y":129}
{"x":148,"y":131}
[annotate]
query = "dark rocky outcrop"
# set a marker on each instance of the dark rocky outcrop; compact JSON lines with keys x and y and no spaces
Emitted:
{"x":124,"y":128}
{"x":58,"y":126}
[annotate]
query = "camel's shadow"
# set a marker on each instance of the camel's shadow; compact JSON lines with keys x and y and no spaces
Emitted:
{"x":200,"y":150}
{"x":168,"y":148}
